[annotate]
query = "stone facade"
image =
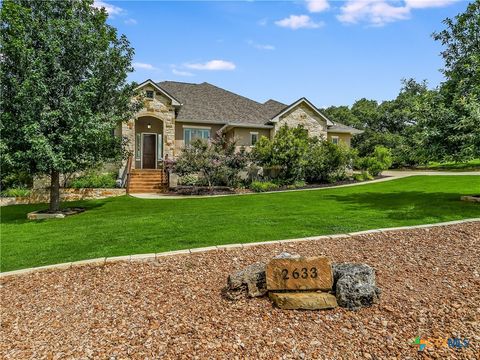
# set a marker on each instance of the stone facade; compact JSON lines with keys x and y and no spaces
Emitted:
{"x":161,"y":108}
{"x":305,"y":116}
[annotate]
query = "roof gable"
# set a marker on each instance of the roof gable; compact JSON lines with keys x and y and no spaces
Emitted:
{"x":175,"y":102}
{"x":299,"y":102}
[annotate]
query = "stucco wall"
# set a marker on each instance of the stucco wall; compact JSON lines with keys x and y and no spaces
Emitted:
{"x":303,"y":115}
{"x":242,"y":135}
{"x":179,"y":126}
{"x":344,"y":138}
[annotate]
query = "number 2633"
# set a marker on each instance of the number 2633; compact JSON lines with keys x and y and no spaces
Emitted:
{"x":303,"y":273}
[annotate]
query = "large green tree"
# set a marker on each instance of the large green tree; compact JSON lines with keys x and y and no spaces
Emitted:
{"x":64,"y":87}
{"x":451,"y":129}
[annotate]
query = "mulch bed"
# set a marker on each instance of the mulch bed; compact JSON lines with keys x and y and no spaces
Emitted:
{"x":224,"y":190}
{"x":172,"y":308}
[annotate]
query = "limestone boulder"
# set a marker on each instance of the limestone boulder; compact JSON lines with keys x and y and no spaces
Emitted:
{"x":303,"y":300}
{"x":250,"y":282}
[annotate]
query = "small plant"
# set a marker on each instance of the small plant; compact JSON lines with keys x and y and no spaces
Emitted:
{"x":16,"y":192}
{"x":363,"y":176}
{"x":94,"y":181}
{"x":263,"y":186}
{"x":296,"y":185}
{"x":190,"y":180}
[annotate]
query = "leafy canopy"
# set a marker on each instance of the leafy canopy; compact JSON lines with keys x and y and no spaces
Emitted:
{"x":63,"y":82}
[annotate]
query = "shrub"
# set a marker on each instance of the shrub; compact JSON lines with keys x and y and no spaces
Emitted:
{"x":94,"y":180}
{"x":326,"y":162}
{"x":380,"y":160}
{"x":363,"y":176}
{"x":263,"y":186}
{"x":217,"y":160}
{"x":16,"y":179}
{"x":15,"y":192}
{"x":286,"y":153}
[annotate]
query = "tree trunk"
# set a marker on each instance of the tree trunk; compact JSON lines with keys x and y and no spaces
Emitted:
{"x":54,"y":191}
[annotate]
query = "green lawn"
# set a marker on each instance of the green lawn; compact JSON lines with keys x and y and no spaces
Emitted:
{"x":126,"y":225}
{"x":471,"y":165}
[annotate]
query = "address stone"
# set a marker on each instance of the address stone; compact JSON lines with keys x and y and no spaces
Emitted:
{"x":303,"y":273}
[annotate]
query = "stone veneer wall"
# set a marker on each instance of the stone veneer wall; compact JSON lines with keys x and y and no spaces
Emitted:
{"x":43,"y":196}
{"x":161,"y":108}
{"x":304,"y":115}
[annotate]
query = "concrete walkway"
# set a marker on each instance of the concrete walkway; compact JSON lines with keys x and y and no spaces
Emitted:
{"x":391,"y":175}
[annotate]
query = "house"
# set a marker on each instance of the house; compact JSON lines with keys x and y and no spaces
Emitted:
{"x":175,"y":113}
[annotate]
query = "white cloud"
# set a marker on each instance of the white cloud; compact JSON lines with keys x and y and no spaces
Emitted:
{"x":316,"y":6}
{"x":212,"y":65}
{"x":381,"y":12}
{"x":422,"y":4}
{"x":376,"y":12}
{"x":181,"y":73}
{"x":143,"y":66}
{"x":299,"y":21}
{"x":112,"y":10}
{"x":260,"y":46}
{"x":130,"y":21}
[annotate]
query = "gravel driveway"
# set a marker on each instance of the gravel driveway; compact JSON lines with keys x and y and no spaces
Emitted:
{"x":172,"y":308}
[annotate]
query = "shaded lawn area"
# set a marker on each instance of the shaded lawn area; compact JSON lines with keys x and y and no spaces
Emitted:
{"x":126,"y":225}
{"x":471,"y":165}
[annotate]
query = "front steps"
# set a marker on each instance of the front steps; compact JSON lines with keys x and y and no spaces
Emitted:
{"x":147,"y":181}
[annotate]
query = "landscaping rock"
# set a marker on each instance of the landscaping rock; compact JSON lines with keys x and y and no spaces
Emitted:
{"x":355,"y":286}
{"x":249,"y":281}
{"x":303,"y":300}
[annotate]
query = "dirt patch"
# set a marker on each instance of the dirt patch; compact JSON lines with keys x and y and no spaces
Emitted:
{"x":172,"y":307}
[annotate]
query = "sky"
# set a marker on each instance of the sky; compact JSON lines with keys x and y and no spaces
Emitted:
{"x":331,"y":52}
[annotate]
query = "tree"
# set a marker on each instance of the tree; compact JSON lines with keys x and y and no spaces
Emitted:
{"x":63,"y":82}
{"x":451,"y":128}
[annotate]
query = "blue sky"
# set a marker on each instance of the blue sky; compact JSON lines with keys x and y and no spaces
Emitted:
{"x":332,"y":52}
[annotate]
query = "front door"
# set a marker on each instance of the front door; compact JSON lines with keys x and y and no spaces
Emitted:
{"x":149,"y":151}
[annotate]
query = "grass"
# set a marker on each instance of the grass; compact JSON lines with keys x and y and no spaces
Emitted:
{"x":127,"y":225}
{"x":455,"y":166}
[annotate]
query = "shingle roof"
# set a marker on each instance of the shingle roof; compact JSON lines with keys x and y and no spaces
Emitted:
{"x":208,"y":103}
{"x":273,"y":107}
{"x":342,"y":128}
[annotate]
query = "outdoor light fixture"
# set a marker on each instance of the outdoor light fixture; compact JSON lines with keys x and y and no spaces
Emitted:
{"x":149,"y":126}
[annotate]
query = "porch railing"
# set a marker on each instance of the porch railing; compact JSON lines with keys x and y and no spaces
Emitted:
{"x":125,"y":173}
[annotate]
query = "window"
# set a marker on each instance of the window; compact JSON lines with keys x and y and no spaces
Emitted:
{"x":190,"y":134}
{"x":149,"y":94}
{"x":335,"y":140}
{"x":138,"y":146}
{"x":253,"y":138}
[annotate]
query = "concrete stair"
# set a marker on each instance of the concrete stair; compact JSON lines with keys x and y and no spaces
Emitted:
{"x":147,"y":181}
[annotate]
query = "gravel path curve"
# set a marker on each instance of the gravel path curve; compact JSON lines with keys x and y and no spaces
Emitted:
{"x":171,"y":308}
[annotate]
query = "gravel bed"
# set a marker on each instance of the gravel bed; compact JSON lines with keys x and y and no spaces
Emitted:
{"x":172,"y":308}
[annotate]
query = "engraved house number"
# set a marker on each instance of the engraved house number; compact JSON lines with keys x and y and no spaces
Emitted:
{"x":302,"y":273}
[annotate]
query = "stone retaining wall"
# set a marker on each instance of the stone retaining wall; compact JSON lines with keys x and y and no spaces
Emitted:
{"x":43,"y":196}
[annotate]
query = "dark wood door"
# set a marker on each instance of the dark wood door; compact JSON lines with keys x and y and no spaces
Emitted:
{"x":149,"y":151}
